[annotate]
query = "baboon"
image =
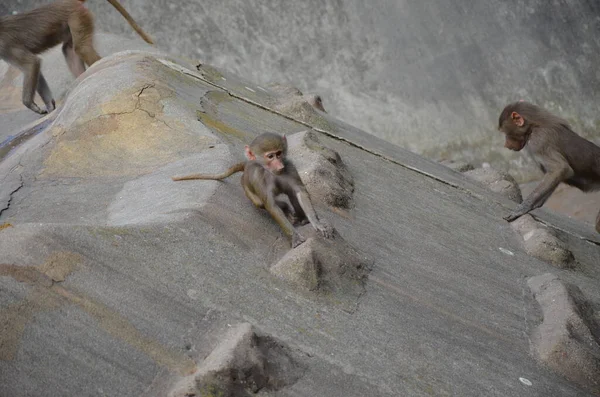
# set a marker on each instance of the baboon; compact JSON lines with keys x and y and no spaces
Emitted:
{"x":23,"y":36}
{"x":268,"y":174}
{"x":562,"y":155}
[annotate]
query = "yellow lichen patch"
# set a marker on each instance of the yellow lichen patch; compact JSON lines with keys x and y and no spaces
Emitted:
{"x":130,"y":138}
{"x":60,"y":264}
{"x":119,"y":327}
{"x":25,"y":274}
{"x":219,"y":97}
{"x":219,"y":126}
{"x":14,"y":318}
{"x":5,"y":226}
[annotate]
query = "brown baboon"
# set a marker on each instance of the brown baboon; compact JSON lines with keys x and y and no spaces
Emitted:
{"x":267,"y":174}
{"x":562,"y":155}
{"x":23,"y":36}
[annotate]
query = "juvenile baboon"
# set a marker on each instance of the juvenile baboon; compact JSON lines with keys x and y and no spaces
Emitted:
{"x":267,"y":174}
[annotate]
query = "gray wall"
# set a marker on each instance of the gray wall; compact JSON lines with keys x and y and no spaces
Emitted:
{"x":430,"y":75}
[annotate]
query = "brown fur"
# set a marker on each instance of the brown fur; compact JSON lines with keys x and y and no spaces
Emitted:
{"x":23,"y":36}
{"x":268,"y":174}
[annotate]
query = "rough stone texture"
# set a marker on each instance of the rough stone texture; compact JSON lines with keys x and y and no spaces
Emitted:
{"x":540,"y":242}
{"x":328,"y":266}
{"x":242,"y":364}
{"x":287,"y":95}
{"x":458,"y":166}
{"x":496,"y":181}
{"x":133,"y":277}
{"x":567,"y":341}
{"x":321,"y":169}
{"x":290,"y":101}
{"x":299,"y":267}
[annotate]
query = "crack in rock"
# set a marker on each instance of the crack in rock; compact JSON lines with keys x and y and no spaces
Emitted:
{"x":10,"y":196}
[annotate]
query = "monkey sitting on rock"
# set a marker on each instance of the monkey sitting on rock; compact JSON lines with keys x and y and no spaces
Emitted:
{"x":266,"y":175}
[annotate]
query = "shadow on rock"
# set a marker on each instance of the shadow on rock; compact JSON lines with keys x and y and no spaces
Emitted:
{"x":330,"y":267}
{"x":244,"y":362}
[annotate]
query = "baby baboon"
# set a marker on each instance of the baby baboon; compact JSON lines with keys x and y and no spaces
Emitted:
{"x":267,"y":174}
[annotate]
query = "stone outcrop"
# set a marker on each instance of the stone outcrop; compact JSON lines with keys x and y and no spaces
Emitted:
{"x":567,"y":341}
{"x":242,"y":364}
{"x":321,"y":169}
{"x":542,"y":243}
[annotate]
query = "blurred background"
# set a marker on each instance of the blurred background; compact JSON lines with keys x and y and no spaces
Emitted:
{"x":431,"y":76}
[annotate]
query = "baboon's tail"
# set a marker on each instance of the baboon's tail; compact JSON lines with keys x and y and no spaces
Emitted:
{"x":129,"y":19}
{"x":232,"y":170}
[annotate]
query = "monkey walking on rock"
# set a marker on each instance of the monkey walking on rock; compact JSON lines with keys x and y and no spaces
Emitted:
{"x":23,"y":36}
{"x":562,"y":155}
{"x":267,"y":174}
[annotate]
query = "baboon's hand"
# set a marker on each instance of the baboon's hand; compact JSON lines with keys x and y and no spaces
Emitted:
{"x":510,"y":217}
{"x":324,"y":229}
{"x":517,"y":212}
{"x":297,"y":239}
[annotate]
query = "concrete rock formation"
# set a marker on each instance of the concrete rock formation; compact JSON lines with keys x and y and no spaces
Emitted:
{"x":321,"y":169}
{"x":292,"y":102}
{"x":568,"y":339}
{"x":540,"y":242}
{"x":328,"y":267}
{"x":242,"y":364}
{"x":419,"y":76}
{"x":496,"y":181}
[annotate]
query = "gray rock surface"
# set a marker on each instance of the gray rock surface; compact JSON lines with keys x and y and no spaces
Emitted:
{"x":496,"y":181}
{"x":330,"y":267}
{"x":291,"y":101}
{"x":242,"y":364}
{"x":322,"y":170}
{"x":542,"y":243}
{"x":114,"y":280}
{"x":568,"y":340}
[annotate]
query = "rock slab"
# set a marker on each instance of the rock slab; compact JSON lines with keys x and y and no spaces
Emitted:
{"x":567,"y":341}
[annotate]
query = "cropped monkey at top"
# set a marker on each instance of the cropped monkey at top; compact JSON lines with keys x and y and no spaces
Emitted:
{"x":23,"y":36}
